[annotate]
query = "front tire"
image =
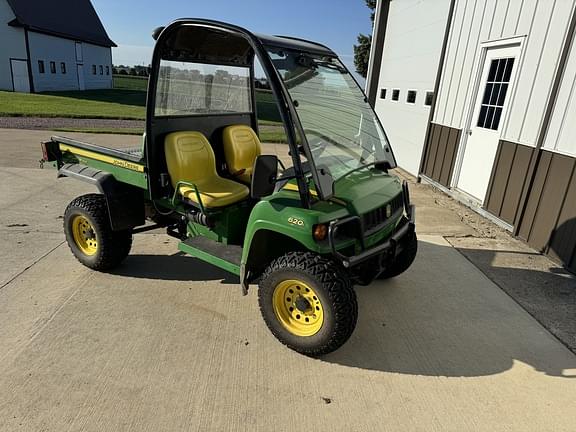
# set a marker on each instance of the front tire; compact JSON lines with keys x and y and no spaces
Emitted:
{"x":90,"y":236}
{"x":308,"y":303}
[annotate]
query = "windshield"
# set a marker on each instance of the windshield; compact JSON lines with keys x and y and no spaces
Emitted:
{"x":340,"y":126}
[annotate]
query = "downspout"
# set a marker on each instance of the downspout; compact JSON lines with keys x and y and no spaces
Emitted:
{"x":436,"y":86}
{"x":533,"y":168}
{"x":30,"y":74}
{"x":377,"y":50}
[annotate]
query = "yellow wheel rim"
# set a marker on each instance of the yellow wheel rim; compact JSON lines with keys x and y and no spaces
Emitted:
{"x":84,"y":235}
{"x":298,"y":307}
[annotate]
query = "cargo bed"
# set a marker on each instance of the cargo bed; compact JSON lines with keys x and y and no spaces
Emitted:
{"x":126,"y":165}
{"x":132,"y":154}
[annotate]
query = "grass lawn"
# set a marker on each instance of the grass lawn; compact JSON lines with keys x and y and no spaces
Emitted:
{"x":127,"y":82}
{"x":126,"y":101}
{"x":112,"y":104}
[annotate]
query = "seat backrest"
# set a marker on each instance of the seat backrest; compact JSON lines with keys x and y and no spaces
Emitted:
{"x":241,"y":148}
{"x":189,"y":157}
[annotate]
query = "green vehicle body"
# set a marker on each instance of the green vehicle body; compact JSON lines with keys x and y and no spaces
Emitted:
{"x":334,"y":218}
{"x":279,"y":216}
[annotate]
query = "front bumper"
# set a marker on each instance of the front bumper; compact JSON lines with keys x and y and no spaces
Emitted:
{"x":390,"y":248}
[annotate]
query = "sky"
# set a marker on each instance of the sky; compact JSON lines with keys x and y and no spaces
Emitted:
{"x":335,"y":23}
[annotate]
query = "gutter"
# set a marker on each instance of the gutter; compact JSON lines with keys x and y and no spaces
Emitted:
{"x":377,"y":50}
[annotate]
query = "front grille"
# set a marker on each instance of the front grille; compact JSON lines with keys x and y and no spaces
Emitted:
{"x":377,"y":217}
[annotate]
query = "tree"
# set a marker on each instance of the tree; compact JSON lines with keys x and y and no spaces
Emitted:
{"x":362,"y":54}
{"x":362,"y":50}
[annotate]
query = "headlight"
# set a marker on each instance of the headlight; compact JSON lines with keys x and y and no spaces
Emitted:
{"x":320,"y":232}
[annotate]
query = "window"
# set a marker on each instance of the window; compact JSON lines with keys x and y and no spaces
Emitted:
{"x":101,"y":70}
{"x":192,"y":88}
{"x":107,"y":70}
{"x":411,"y":97}
{"x":53,"y":67}
{"x":395,"y":94}
{"x":63,"y":68}
{"x":383,"y":94}
{"x":93,"y":69}
{"x":429,"y":98}
{"x":495,"y":93}
{"x":41,"y":68}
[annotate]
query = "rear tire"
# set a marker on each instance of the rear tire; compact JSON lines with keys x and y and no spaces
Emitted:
{"x":308,"y":303}
{"x":90,"y":236}
{"x":403,"y":261}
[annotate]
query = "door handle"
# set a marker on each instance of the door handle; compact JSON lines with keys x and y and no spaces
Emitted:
{"x":469,"y":132}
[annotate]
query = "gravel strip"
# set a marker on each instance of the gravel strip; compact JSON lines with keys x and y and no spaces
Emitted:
{"x":57,"y":122}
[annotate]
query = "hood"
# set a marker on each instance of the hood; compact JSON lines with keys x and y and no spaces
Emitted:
{"x":367,"y":189}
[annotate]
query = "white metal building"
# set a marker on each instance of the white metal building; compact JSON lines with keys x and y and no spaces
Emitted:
{"x":53,"y":45}
{"x":500,"y":132}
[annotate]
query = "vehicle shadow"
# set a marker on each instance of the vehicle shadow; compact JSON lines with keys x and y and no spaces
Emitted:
{"x":443,"y":317}
{"x":176,"y":267}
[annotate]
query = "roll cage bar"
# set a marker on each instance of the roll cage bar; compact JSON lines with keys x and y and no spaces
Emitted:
{"x":285,"y":104}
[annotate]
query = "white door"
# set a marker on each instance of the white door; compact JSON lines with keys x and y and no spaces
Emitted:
{"x":81,"y":85}
{"x":487,"y":120}
{"x":20,"y":76}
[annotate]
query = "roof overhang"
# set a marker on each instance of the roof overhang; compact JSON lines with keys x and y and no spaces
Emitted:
{"x":18,"y":24}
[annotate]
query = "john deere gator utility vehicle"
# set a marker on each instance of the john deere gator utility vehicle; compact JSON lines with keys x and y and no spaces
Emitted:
{"x":306,"y":227}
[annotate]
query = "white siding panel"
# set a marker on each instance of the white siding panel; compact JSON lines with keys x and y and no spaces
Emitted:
{"x":449,"y":60}
{"x":512,"y":17}
{"x":468,"y":85}
{"x":12,"y":45}
{"x":462,"y":56}
{"x":475,"y":21}
{"x":499,"y":18}
{"x":99,"y":56}
{"x":527,"y":16}
{"x":562,"y":130}
{"x":414,"y":36}
{"x":548,"y":64}
{"x":53,"y":49}
{"x":521,"y":127}
{"x":467,"y":64}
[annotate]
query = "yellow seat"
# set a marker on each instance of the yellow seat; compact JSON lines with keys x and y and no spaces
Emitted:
{"x":190,"y":158}
{"x":241,"y":148}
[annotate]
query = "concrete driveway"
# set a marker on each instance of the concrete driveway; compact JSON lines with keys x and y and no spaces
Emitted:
{"x":167,"y":343}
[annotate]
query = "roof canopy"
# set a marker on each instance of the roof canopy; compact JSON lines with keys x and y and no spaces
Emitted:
{"x":71,"y":19}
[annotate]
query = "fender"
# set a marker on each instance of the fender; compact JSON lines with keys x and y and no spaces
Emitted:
{"x":125,"y":202}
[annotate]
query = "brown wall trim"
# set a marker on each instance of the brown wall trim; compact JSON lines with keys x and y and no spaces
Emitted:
{"x":549,"y":222}
{"x":441,"y":149}
{"x":508,"y":179}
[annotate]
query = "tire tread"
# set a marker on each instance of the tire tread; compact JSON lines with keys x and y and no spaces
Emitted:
{"x":340,"y":293}
{"x":115,"y":245}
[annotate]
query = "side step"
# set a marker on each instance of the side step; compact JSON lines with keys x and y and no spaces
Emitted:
{"x":227,"y":257}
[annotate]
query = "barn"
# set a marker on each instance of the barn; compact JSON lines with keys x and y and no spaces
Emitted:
{"x":52,"y":46}
{"x":478,"y":97}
